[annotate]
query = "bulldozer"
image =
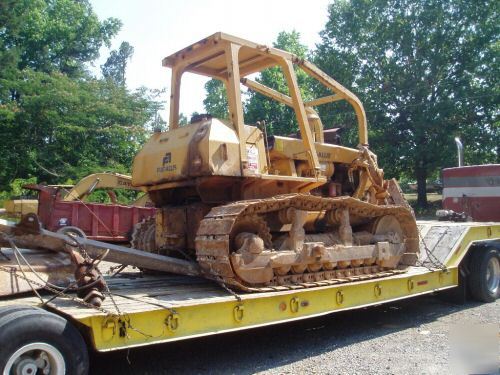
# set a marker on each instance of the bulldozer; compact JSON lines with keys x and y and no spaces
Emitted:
{"x":251,"y":211}
{"x":262,"y":212}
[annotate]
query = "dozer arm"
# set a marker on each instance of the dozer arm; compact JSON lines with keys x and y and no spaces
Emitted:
{"x":99,"y":180}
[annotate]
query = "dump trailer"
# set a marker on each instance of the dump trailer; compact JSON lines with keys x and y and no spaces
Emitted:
{"x":64,"y":208}
{"x":250,"y":229}
{"x":110,"y":222}
{"x":76,"y":193}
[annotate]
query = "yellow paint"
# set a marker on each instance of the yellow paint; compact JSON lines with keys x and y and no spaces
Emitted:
{"x":99,"y":181}
{"x":476,"y":232}
{"x":279,"y":145}
{"x":20,"y":207}
{"x":258,"y":310}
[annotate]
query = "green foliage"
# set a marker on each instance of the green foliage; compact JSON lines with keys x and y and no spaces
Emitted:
{"x":215,"y":102}
{"x":279,"y":117}
{"x":116,"y":65}
{"x":15,"y":189}
{"x":426,"y":72}
{"x":64,"y":128}
{"x":183,"y":120}
{"x":158,"y":124}
{"x":57,"y":122}
{"x":53,"y":35}
{"x":16,"y":186}
{"x":123,"y":196}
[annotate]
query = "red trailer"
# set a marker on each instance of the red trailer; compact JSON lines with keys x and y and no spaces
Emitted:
{"x":473,"y":190}
{"x":98,"y":221}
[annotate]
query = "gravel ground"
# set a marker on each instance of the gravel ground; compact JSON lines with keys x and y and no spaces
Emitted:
{"x":407,"y":337}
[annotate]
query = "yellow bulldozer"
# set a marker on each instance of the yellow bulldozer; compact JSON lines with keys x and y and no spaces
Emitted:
{"x":261,"y":212}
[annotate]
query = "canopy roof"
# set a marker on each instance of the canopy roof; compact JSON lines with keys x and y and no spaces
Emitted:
{"x":207,"y":57}
{"x":230,"y":59}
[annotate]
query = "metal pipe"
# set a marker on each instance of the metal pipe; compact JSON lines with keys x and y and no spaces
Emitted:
{"x":139,"y":258}
{"x":40,"y":238}
{"x":460,"y":149}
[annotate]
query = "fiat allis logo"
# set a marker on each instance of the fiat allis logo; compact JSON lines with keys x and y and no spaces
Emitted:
{"x":166,"y":164}
{"x":167,"y":159}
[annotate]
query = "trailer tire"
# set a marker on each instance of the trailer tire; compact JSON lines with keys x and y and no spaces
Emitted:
{"x":484,"y":274}
{"x":70,"y":230}
{"x":32,"y":340}
{"x":6,"y":310}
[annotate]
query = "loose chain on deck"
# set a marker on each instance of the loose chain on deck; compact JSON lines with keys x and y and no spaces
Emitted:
{"x":219,"y":281}
{"x":55,"y":291}
{"x":61,"y":292}
{"x":431,"y":258}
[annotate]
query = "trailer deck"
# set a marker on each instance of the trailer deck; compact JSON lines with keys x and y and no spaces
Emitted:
{"x":161,"y":308}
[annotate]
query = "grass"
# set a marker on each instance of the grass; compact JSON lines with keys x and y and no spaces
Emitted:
{"x":431,"y":197}
{"x":433,"y":204}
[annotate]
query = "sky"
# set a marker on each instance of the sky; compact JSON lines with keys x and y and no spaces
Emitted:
{"x":157,"y":28}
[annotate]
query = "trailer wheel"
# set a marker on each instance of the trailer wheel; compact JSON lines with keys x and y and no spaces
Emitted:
{"x":484,"y":274}
{"x":75,"y":231}
{"x":13,"y":308}
{"x":34,"y":341}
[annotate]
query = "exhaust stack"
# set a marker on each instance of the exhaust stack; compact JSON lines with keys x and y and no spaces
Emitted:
{"x":460,"y":149}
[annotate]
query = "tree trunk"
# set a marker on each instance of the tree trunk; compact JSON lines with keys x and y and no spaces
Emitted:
{"x":421,"y":186}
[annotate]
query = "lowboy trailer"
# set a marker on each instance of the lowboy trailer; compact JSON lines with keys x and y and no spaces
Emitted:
{"x":54,"y":337}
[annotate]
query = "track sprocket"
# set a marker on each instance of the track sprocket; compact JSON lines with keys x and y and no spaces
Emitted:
{"x":143,"y":235}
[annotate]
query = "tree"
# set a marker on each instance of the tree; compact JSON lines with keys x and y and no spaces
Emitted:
{"x":116,"y":65}
{"x":53,"y":35}
{"x":183,"y":120}
{"x":215,"y":102}
{"x":426,"y":71}
{"x":64,"y":128}
{"x":279,"y":117}
{"x":57,"y":122}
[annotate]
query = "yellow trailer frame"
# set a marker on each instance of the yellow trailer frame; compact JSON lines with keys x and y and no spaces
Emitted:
{"x":164,"y":308}
{"x":258,"y":310}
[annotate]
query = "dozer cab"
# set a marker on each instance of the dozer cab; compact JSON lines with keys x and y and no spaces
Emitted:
{"x":264,"y":213}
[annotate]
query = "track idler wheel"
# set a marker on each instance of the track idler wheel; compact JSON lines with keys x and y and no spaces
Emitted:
{"x":249,"y":237}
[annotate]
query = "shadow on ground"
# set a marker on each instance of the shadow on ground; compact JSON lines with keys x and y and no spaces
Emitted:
{"x":261,"y":349}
